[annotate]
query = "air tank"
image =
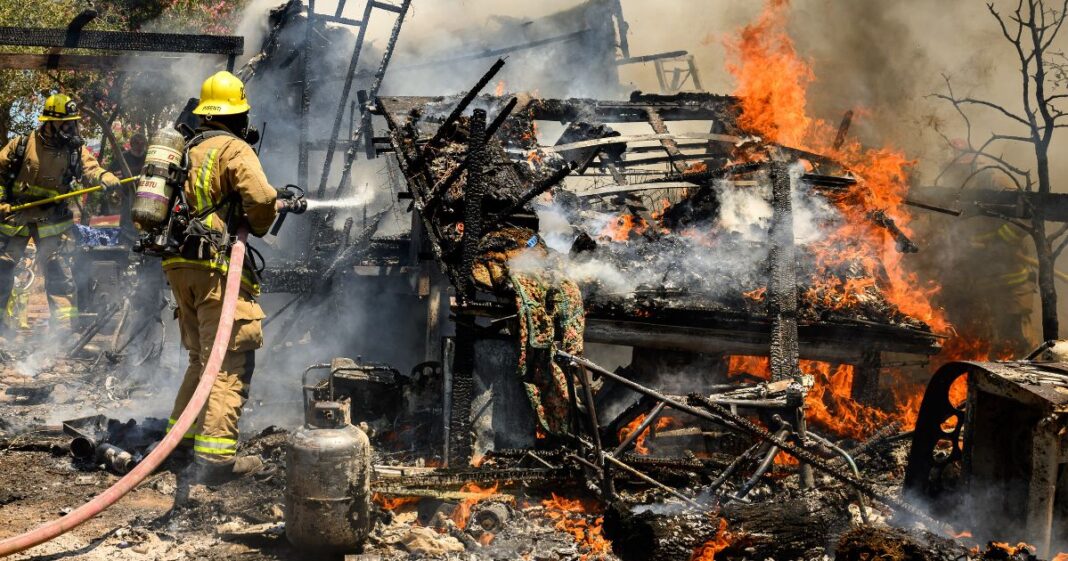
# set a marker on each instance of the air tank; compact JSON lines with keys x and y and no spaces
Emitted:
{"x":328,"y":479}
{"x":152,"y":199}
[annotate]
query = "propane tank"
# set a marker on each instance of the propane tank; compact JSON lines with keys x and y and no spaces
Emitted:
{"x":152,"y":202}
{"x":328,"y":478}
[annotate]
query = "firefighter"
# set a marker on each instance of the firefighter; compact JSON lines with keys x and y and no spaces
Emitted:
{"x":227,"y":189}
{"x":44,"y":164}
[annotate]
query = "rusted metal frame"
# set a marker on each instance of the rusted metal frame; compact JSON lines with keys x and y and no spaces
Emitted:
{"x":1042,"y":488}
{"x":610,"y":459}
{"x":645,"y":424}
{"x":354,"y":60}
{"x":720,"y":415}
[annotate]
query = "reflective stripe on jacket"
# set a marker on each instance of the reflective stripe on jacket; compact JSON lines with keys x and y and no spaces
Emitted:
{"x":223,"y":168}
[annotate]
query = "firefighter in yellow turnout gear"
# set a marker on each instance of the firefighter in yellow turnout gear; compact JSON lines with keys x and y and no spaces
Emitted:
{"x":41,"y":165}
{"x":226,"y":187}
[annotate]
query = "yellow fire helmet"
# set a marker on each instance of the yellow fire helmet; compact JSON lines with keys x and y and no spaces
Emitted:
{"x":59,"y":107}
{"x":222,"y":94}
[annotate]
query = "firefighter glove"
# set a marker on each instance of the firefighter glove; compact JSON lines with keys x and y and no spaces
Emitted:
{"x":110,"y":182}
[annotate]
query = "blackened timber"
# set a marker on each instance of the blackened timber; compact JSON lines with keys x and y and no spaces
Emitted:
{"x":446,"y":125}
{"x":122,"y":41}
{"x":354,"y":60}
{"x":782,"y":286}
{"x":442,"y":187}
{"x":474,"y":191}
{"x":533,"y":192}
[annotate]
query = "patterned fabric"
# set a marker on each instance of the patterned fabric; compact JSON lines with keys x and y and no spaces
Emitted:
{"x":551,"y":317}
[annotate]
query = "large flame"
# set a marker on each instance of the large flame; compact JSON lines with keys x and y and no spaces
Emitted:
{"x":829,"y":405}
{"x":772,"y":82}
{"x":573,"y":517}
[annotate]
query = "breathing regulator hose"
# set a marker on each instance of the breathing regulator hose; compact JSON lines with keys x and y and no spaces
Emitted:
{"x":60,"y":526}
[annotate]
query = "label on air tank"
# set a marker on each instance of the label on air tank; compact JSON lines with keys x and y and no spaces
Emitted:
{"x":162,"y":155}
{"x":154,"y":188}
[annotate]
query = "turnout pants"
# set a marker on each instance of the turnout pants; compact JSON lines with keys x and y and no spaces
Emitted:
{"x":199,"y":294}
{"x":52,"y":261}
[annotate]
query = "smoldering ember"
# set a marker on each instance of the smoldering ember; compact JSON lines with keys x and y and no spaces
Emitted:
{"x":564,"y":280}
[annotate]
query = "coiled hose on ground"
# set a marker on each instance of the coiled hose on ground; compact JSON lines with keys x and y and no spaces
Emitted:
{"x":98,"y":504}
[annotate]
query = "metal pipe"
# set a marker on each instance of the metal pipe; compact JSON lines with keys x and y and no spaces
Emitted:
{"x":595,"y":429}
{"x":761,"y":469}
{"x":58,"y":527}
{"x":852,"y":465}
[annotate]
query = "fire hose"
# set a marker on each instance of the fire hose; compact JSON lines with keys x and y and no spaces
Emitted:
{"x":98,"y":504}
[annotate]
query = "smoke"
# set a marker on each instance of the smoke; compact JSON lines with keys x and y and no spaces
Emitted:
{"x":708,"y":255}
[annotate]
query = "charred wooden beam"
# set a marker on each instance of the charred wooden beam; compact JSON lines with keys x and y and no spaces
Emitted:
{"x":782,"y":286}
{"x":672,"y":149}
{"x":902,"y":241}
{"x":343,"y":100}
{"x":465,"y":101}
{"x":473,"y":194}
{"x":122,"y":41}
{"x":843,"y":130}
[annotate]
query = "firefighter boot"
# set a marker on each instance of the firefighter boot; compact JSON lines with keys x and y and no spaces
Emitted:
{"x":214,"y":472}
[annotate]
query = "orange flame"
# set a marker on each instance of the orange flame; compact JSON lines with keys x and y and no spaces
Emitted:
{"x":639,"y":443}
{"x":1012,"y":550}
{"x":463,"y":511}
{"x":1060,"y":557}
{"x":623,"y":227}
{"x":392,"y":503}
{"x":499,"y":90}
{"x":772,"y":80}
{"x":572,"y":516}
{"x":708,"y":550}
{"x":829,"y":404}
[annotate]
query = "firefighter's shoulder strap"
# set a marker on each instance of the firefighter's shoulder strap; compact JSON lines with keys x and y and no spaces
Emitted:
{"x":209,"y":207}
{"x":15,"y":163}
